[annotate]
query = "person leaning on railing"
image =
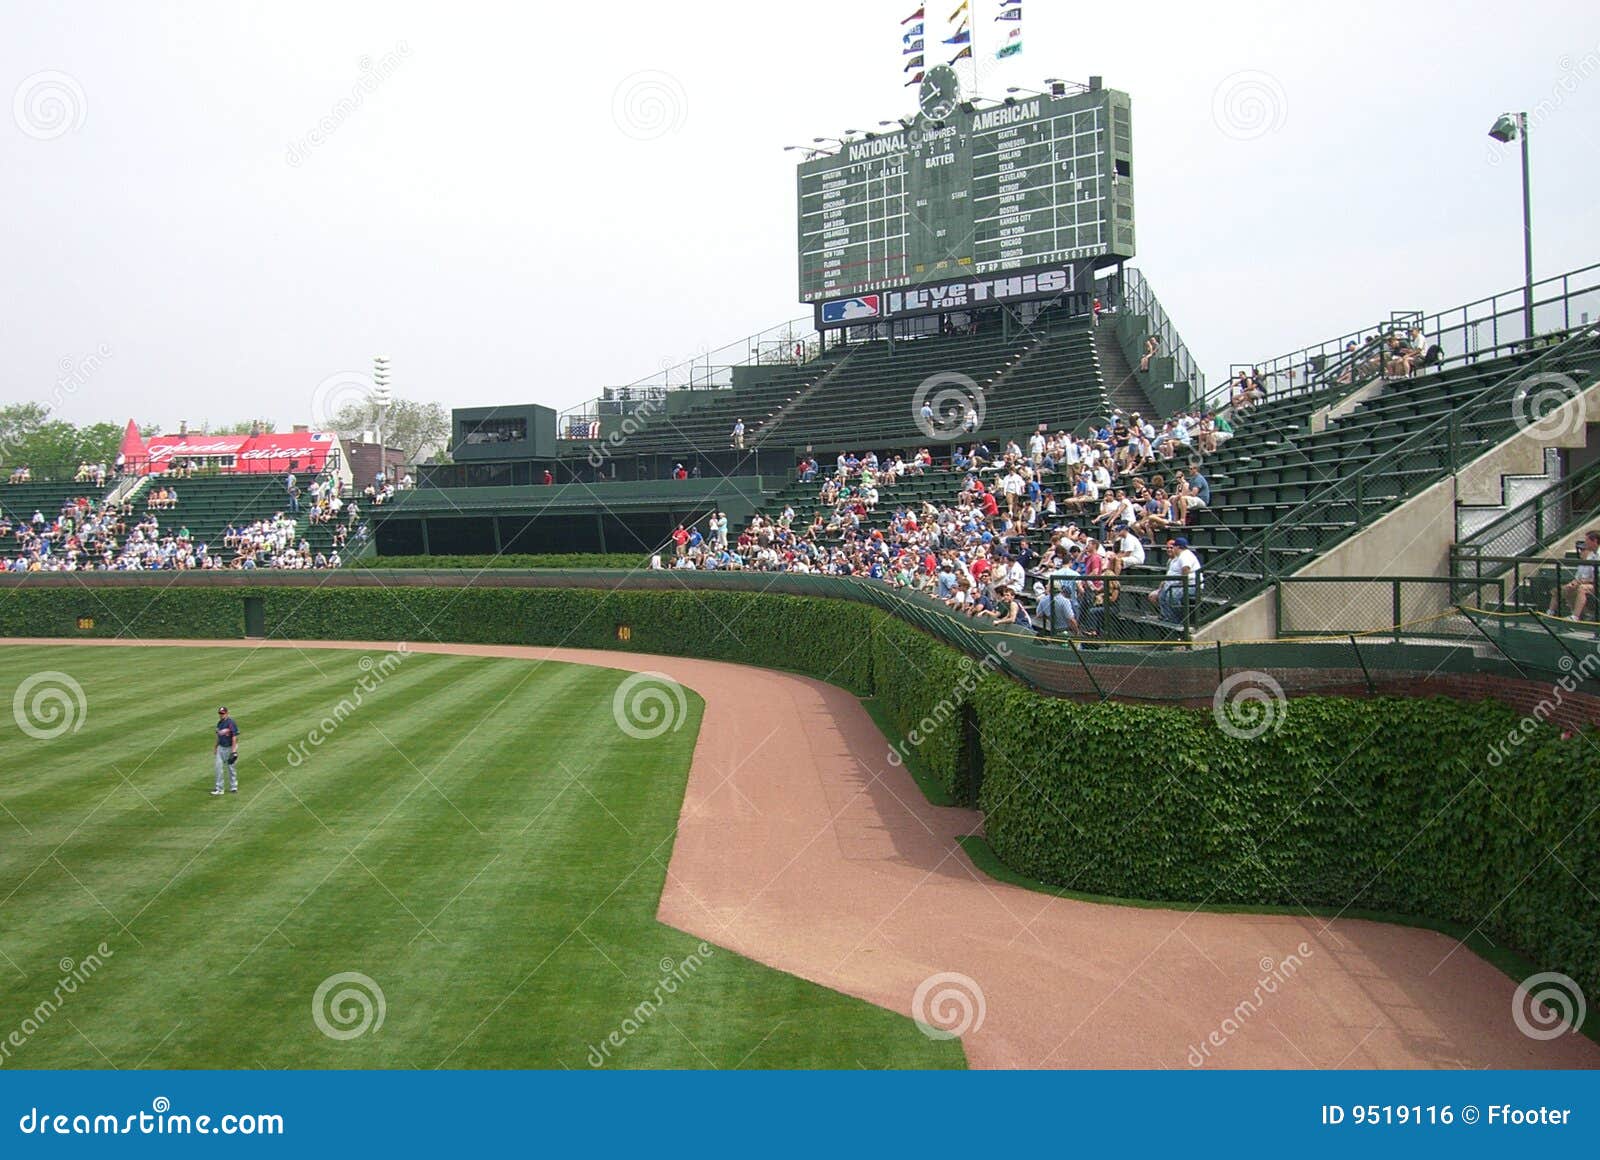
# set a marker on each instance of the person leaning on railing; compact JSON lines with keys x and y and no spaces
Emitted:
{"x":1580,"y":589}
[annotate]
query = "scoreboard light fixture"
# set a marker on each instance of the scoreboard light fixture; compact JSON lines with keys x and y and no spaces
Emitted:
{"x":1509,"y":127}
{"x":1504,"y":130}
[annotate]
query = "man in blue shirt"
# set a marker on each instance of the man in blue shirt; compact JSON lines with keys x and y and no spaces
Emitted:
{"x":227,"y":753}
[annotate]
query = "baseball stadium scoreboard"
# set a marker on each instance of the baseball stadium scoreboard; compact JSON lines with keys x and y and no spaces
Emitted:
{"x":962,"y":205}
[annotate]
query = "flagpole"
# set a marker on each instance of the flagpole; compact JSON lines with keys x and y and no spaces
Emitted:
{"x":972,"y":22}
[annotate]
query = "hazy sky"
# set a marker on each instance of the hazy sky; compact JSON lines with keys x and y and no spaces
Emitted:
{"x":531,"y":201}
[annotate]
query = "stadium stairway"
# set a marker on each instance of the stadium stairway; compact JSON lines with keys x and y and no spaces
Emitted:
{"x":1284,"y":494}
{"x":1123,"y":391}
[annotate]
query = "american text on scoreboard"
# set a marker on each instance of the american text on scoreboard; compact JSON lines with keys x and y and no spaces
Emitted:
{"x":1014,"y":187}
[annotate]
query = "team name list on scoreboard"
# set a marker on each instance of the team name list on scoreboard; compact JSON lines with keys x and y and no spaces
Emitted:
{"x":1004,"y":188}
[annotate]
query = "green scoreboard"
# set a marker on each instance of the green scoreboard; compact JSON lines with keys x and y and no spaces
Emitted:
{"x":1003,"y":203}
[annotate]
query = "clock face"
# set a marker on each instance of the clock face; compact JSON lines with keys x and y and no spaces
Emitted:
{"x":941,"y":90}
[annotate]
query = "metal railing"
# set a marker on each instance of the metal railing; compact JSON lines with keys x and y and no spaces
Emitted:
{"x":790,"y":343}
{"x":1511,"y":645}
{"x":1396,"y":608}
{"x":1567,"y":505}
{"x":1471,"y":331}
{"x":1417,"y":462}
{"x":1139,"y":298}
{"x":1536,"y":584}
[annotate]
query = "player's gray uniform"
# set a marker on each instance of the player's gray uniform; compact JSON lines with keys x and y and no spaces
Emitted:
{"x":222,"y":765}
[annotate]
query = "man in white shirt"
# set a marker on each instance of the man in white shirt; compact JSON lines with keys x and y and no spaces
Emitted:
{"x":1183,"y":583}
{"x":1011,"y":487}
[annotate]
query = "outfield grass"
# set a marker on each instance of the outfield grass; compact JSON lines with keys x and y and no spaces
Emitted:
{"x":478,"y":837}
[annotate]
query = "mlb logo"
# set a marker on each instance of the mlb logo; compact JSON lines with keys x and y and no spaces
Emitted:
{"x":848,"y":309}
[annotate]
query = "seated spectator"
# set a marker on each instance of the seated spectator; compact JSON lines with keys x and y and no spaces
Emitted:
{"x":1183,"y":585}
{"x":1581,"y":588}
{"x":1152,"y":346}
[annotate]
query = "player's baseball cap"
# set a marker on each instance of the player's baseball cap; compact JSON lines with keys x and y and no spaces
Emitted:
{"x":222,"y":708}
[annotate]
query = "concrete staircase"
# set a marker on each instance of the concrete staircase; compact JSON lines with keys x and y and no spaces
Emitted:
{"x":1122,"y":382}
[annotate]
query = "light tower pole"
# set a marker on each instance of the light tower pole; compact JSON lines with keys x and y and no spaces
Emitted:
{"x":1507,"y":128}
{"x":380,"y":402}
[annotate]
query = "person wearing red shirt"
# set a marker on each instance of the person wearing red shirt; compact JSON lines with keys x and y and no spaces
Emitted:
{"x":680,"y":537}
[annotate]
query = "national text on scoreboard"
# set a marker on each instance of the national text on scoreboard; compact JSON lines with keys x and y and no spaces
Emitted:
{"x":982,"y":195}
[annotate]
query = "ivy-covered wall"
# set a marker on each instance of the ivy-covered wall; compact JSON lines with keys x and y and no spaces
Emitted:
{"x":1382,"y":804}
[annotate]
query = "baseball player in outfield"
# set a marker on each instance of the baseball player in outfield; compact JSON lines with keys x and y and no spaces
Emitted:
{"x":227,"y":752}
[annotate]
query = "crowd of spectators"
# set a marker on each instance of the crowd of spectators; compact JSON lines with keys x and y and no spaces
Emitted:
{"x":1054,"y":524}
{"x":93,"y":535}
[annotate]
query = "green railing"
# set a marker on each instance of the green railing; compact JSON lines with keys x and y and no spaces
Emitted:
{"x":1474,"y":330}
{"x":1374,"y":659}
{"x":1568,"y":505}
{"x":1139,"y":298}
{"x":1417,"y":462}
{"x":1531,"y":584}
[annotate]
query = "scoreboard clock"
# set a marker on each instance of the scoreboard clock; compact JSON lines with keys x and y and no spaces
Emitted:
{"x":961,"y":192}
{"x":940,"y":92}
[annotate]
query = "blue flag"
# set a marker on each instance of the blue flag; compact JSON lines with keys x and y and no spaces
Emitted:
{"x":1010,"y":14}
{"x":916,"y":31}
{"x":915,"y":46}
{"x":962,"y":37}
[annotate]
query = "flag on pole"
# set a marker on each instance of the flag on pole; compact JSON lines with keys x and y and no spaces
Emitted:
{"x":918,"y":15}
{"x":1010,"y":14}
{"x":964,"y":54}
{"x":1010,"y":48}
{"x":957,"y":12}
{"x":914,"y":62}
{"x":916,"y":31}
{"x":916,"y":80}
{"x":962,"y":37}
{"x":914,"y":46}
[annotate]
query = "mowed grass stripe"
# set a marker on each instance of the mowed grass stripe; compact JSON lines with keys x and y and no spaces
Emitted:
{"x":531,"y":868}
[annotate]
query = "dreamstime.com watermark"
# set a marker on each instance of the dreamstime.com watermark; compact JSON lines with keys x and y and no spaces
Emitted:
{"x":948,"y":1005}
{"x":373,"y":74}
{"x":160,"y":1120}
{"x":1549,"y":407}
{"x":947,"y":708}
{"x":1273,"y":976}
{"x":1548,"y":1005}
{"x":375,"y":672}
{"x":650,"y":104}
{"x":632,"y":424}
{"x":1249,"y":104}
{"x":48,"y":105}
{"x":1249,"y":705}
{"x":73,"y":975}
{"x":948,"y":405}
{"x":673,"y":976}
{"x":49,"y":704}
{"x":338,"y":393}
{"x":1576,"y":673}
{"x":1573,"y":74}
{"x":348,"y":1005}
{"x":649,"y":704}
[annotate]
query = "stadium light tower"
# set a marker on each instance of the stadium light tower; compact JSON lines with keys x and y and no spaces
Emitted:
{"x":1507,"y":128}
{"x":380,"y":401}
